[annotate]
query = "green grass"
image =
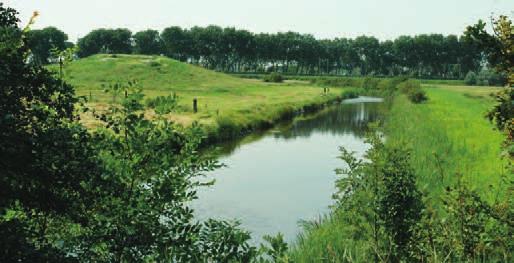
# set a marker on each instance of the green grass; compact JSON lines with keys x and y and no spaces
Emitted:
{"x":448,"y":133}
{"x":450,"y":82}
{"x":222,"y":98}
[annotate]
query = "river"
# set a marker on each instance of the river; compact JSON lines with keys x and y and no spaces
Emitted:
{"x":274,"y":179}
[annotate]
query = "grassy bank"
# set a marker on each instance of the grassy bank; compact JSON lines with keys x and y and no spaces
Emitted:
{"x":357,"y":80}
{"x":448,"y":135}
{"x":228,"y":106}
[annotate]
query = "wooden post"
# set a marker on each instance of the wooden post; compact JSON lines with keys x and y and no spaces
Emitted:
{"x":195,"y":105}
{"x":90,"y":96}
{"x":126,"y":94}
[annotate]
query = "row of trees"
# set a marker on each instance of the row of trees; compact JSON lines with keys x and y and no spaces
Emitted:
{"x":234,"y":50}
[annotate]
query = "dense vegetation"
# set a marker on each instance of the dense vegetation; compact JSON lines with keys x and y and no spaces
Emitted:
{"x":403,"y":204}
{"x":234,"y":50}
{"x":119,"y":190}
{"x":119,"y":193}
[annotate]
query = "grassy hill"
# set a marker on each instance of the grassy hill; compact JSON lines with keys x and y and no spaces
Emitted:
{"x":221,"y":98}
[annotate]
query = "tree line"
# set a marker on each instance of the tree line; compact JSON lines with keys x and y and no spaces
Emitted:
{"x":235,"y":50}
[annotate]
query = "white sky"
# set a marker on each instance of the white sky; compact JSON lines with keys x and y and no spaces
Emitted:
{"x":385,"y":19}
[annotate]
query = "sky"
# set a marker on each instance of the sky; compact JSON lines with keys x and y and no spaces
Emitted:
{"x":384,"y":19}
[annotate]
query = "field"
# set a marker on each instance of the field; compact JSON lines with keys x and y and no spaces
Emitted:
{"x":448,"y":136}
{"x":221,"y":98}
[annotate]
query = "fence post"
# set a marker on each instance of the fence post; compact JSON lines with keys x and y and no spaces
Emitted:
{"x":195,"y":105}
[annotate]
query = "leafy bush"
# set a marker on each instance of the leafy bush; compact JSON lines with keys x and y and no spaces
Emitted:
{"x":417,"y":96}
{"x":227,"y":127}
{"x":274,"y":77}
{"x":370,"y":83}
{"x":412,"y":88}
{"x":349,"y":94}
{"x":488,"y":77}
{"x":163,"y":104}
{"x":471,"y":78}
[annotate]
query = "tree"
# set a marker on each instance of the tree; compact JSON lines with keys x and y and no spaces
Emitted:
{"x":177,"y":43}
{"x":47,"y":162}
{"x":117,"y":194}
{"x":108,"y":41}
{"x":499,"y":48}
{"x":148,"y":42}
{"x":42,"y":42}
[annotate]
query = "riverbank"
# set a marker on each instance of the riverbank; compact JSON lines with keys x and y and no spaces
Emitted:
{"x":448,"y":136}
{"x":227,"y":107}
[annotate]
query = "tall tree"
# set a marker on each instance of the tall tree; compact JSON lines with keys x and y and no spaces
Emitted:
{"x":41,"y":42}
{"x":108,"y":41}
{"x":148,"y":42}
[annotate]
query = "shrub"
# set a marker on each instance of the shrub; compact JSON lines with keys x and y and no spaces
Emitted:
{"x":163,"y":104}
{"x":370,"y":83}
{"x":412,"y":88}
{"x":274,"y":77}
{"x":409,"y":85}
{"x":488,"y":77}
{"x":227,"y":128}
{"x":471,"y":78}
{"x":417,"y":96}
{"x":154,"y":64}
{"x":349,"y":94}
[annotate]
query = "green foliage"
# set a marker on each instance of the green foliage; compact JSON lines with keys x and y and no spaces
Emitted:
{"x":445,"y":138}
{"x":370,"y":83}
{"x":48,"y":170}
{"x":467,"y":230}
{"x":488,"y":77}
{"x":350,"y":94}
{"x":41,"y":42}
{"x":163,"y":104}
{"x":412,"y":88}
{"x":498,"y":47}
{"x":107,"y":41}
{"x":337,"y":82}
{"x":277,"y":249}
{"x":471,"y":78}
{"x":502,"y":115}
{"x":274,"y":77}
{"x":380,"y":196}
{"x":148,"y":42}
{"x":399,"y":201}
{"x":120,"y":193}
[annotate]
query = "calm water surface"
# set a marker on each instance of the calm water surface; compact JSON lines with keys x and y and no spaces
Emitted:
{"x":275,"y":179}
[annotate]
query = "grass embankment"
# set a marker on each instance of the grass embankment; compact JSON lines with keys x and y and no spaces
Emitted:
{"x":448,"y":135}
{"x":226,"y":105}
{"x":451,"y":82}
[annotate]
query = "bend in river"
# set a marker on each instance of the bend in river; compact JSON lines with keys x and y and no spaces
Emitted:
{"x":276,"y":178}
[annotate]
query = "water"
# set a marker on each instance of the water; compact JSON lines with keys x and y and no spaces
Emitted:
{"x":277,"y":178}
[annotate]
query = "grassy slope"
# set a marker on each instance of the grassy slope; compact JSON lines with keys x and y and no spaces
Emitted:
{"x":450,"y":132}
{"x":219,"y":95}
{"x":451,"y":125}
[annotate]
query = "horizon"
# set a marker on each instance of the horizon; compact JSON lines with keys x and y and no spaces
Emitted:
{"x":334,"y":19}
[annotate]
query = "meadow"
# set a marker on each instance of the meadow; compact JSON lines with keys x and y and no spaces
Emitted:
{"x":242,"y":104}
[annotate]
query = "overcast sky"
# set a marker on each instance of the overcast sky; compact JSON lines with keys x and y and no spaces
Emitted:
{"x":384,"y":19}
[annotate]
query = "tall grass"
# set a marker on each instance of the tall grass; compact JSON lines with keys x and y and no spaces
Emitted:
{"x":448,"y":135}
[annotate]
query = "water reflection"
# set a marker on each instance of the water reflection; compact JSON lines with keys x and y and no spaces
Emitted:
{"x":274,"y":179}
{"x":347,"y":118}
